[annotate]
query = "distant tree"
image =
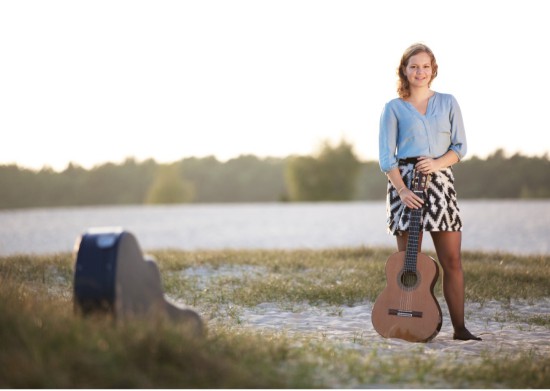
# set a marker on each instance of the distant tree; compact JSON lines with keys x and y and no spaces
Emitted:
{"x":498,"y":176}
{"x":205,"y":174}
{"x":246,"y":178}
{"x":332,"y":173}
{"x":303,"y":182}
{"x":169,"y":187}
{"x":329,"y":175}
{"x":371,"y":183}
{"x":17,"y":187}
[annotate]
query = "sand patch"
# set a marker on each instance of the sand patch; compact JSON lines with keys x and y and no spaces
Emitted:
{"x":504,"y":327}
{"x":351,"y":327}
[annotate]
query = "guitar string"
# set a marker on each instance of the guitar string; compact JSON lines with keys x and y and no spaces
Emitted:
{"x":413,"y":277}
{"x":408,"y":280}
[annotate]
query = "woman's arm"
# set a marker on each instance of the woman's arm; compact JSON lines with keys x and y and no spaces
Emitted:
{"x":407,"y":196}
{"x":387,"y":139}
{"x":427,"y":165}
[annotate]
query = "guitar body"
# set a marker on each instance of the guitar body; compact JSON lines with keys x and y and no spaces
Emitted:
{"x":407,"y":308}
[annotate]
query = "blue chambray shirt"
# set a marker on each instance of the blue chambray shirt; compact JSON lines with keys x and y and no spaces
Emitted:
{"x":404,"y":132}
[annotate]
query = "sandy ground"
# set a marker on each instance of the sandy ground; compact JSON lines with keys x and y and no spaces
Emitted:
{"x":352,"y":327}
{"x":501,"y":325}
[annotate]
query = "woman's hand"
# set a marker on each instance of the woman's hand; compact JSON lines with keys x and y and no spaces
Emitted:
{"x":427,"y":165}
{"x":410,"y":199}
{"x":407,"y":197}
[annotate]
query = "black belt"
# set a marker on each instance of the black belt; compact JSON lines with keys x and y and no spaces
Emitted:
{"x":409,"y":160}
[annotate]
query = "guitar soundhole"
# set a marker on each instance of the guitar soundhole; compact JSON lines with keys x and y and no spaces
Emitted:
{"x":408,"y":279}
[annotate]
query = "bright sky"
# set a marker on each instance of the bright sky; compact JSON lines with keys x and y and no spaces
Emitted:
{"x":96,"y":81}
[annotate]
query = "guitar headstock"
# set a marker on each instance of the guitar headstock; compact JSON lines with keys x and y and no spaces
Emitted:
{"x":420,"y":181}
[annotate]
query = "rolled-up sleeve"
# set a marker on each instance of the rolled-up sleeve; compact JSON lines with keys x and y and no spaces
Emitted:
{"x":387,"y":139}
{"x":458,"y":133}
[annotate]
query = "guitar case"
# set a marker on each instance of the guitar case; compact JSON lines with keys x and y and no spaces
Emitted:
{"x":112,"y":276}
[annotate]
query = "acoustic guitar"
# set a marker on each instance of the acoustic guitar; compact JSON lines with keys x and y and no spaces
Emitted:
{"x":407,"y":308}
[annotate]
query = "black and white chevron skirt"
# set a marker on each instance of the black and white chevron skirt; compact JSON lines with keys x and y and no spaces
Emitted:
{"x":441,"y":212}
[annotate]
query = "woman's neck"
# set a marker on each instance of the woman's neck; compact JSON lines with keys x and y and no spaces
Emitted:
{"x":420,"y":94}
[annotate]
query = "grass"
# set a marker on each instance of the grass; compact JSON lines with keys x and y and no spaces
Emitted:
{"x":43,"y":344}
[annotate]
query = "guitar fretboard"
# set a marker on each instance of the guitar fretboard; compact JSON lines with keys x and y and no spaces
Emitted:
{"x":411,"y":253}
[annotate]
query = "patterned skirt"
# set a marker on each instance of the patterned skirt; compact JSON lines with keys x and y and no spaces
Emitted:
{"x":441,"y":212}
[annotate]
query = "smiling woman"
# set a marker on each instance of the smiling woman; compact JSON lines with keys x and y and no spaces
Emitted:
{"x":411,"y":147}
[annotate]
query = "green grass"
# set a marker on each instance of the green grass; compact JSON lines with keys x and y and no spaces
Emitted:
{"x":44,"y":344}
{"x":347,"y":276}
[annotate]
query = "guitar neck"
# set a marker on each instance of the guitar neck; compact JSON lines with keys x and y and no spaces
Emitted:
{"x":414,"y":237}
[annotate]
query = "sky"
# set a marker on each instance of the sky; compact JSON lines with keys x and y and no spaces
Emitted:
{"x":90,"y":82}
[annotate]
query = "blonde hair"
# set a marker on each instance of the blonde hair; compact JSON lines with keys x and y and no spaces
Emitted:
{"x":403,"y":87}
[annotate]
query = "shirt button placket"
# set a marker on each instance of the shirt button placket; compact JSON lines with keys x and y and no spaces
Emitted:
{"x":428,"y":134}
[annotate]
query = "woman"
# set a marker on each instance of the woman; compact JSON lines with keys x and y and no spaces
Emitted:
{"x":423,"y":130}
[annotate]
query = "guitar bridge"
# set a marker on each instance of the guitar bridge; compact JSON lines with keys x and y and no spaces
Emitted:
{"x":406,"y":314}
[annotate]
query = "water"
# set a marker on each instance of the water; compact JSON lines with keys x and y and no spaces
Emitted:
{"x":511,"y":226}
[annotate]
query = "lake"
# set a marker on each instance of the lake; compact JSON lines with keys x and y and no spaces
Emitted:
{"x":516,"y":226}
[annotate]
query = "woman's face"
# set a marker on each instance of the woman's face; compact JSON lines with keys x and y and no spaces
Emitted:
{"x":419,"y":70}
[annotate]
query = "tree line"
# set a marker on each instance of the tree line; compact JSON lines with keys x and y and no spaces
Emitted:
{"x":333,"y":173}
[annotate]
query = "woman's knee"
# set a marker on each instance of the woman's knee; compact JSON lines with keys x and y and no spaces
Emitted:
{"x":451,"y":263}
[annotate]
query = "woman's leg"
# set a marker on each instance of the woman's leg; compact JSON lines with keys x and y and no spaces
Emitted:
{"x":447,"y":246}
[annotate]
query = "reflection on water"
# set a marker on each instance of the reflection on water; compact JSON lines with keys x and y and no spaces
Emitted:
{"x":511,"y":226}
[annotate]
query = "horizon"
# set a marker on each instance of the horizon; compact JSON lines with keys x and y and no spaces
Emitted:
{"x":507,"y":155}
{"x":90,"y":83}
